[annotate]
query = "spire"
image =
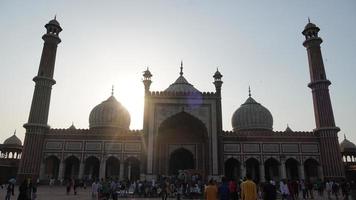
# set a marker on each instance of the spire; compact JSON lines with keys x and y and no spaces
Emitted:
{"x":249,"y":91}
{"x":15,"y":132}
{"x":181,"y":68}
{"x":344,"y":136}
{"x":112,"y":90}
{"x":55,"y":17}
{"x":308,"y":20}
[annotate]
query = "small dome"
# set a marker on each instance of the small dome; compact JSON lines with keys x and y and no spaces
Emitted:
{"x":252,"y":115}
{"x":288,"y":129}
{"x":72,"y":127}
{"x":347,"y":145}
{"x":309,"y":25}
{"x":13,"y":140}
{"x":182,"y":85}
{"x":109,"y":114}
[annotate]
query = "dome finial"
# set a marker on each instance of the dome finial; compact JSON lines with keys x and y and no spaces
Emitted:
{"x":15,"y":132}
{"x":345,"y":136}
{"x":112,"y":90}
{"x":181,"y":68}
{"x":55,"y":17}
{"x":249,"y":91}
{"x":308,"y":20}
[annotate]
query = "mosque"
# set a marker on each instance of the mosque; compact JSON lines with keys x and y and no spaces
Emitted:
{"x":182,"y":130}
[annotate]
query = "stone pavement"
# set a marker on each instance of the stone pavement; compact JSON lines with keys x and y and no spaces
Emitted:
{"x":59,"y":193}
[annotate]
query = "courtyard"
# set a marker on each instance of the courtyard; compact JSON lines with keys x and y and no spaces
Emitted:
{"x":59,"y":193}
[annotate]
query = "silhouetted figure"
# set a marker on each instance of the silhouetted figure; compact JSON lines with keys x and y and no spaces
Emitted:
{"x":269,"y":191}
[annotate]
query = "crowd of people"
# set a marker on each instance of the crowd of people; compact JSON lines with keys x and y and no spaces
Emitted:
{"x":270,"y":190}
{"x":191,"y":186}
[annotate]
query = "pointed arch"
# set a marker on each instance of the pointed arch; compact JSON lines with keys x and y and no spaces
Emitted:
{"x":181,"y":159}
{"x":52,"y":166}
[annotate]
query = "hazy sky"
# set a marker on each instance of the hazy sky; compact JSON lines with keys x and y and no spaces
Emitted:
{"x":104,"y":43}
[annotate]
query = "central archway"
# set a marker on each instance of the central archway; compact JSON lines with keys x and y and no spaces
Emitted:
{"x":182,"y":137}
{"x":180,"y":159}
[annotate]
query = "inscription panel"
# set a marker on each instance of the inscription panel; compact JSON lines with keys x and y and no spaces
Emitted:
{"x":310,"y":148}
{"x":110,"y":146}
{"x":93,"y":146}
{"x":290,"y":148}
{"x":232,"y":147}
{"x":251,"y":148}
{"x":54,"y":145}
{"x":271,"y":148}
{"x":74,"y":146}
{"x":133,"y":147}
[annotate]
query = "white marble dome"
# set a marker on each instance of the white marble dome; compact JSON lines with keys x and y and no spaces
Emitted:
{"x":110,"y":114}
{"x":252,"y":116}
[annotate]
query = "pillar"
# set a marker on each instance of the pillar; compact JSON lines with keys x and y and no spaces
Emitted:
{"x":81,"y":170}
{"x":102,"y":168}
{"x":262,"y":173}
{"x":320,"y":172}
{"x":243,"y":170}
{"x":129,"y":171}
{"x":301,"y":172}
{"x":121,"y":175}
{"x":61,"y":169}
{"x":283,"y":170}
{"x":42,"y":171}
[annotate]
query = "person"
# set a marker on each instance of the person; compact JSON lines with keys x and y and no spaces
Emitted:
{"x":303,"y":188}
{"x":211,"y":191}
{"x":23,"y":191}
{"x":233,"y":189}
{"x":335,"y":189}
{"x":9,"y":189}
{"x":328,"y":188}
{"x":94,"y":189}
{"x":224,"y":190}
{"x":269,"y":191}
{"x":248,"y":189}
{"x":283,"y":187}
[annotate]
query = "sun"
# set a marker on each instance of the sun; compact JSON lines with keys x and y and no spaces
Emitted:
{"x":129,"y":91}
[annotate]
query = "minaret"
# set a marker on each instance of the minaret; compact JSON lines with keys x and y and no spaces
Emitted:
{"x":324,"y":118}
{"x":218,"y":83}
{"x":37,"y":126}
{"x":147,"y":83}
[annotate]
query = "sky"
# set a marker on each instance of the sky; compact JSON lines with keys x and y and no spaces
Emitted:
{"x":105,"y":43}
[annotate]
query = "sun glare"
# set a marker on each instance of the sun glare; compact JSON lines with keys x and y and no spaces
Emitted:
{"x":129,"y":91}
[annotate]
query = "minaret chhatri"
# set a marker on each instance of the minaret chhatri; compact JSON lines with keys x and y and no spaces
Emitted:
{"x":331,"y":160}
{"x":37,"y":126}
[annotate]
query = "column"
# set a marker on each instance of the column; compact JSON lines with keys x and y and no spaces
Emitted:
{"x":42,"y":171}
{"x":320,"y":172}
{"x":121,"y":175}
{"x":102,"y":168}
{"x":283,"y":170}
{"x":243,"y":171}
{"x":262,"y":173}
{"x":301,"y":172}
{"x":129,"y":171}
{"x":60,"y":171}
{"x":81,"y":170}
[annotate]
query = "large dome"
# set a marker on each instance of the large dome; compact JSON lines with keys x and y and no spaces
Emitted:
{"x":13,"y":140}
{"x":252,"y":115}
{"x":109,"y":114}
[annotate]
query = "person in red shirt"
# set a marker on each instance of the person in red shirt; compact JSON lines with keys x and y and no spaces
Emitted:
{"x":233,"y":189}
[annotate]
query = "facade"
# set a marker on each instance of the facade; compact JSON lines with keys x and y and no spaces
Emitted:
{"x":182,"y":129}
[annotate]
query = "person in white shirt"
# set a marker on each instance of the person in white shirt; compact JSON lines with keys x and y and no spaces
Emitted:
{"x":328,"y":188}
{"x":284,"y":190}
{"x":94,"y":190}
